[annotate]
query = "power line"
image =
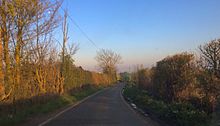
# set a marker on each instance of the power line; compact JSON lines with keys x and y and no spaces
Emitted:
{"x":81,"y":30}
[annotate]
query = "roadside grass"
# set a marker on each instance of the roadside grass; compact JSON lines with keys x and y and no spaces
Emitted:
{"x":175,"y":114}
{"x":82,"y":94}
{"x":48,"y":106}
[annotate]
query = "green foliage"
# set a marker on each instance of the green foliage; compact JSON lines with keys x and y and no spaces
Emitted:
{"x":180,"y":114}
{"x":81,"y":93}
{"x":125,"y":77}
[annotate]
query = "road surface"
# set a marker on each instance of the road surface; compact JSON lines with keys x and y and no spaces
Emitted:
{"x":106,"y":108}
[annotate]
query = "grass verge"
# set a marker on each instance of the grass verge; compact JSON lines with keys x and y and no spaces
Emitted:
{"x":47,"y":107}
{"x":175,"y":114}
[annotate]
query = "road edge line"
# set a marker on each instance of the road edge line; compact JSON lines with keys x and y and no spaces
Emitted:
{"x":125,"y":102}
{"x":70,"y":107}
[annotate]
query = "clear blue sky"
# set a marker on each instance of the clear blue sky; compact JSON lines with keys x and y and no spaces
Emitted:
{"x":142,"y":31}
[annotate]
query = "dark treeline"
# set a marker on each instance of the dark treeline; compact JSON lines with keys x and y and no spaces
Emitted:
{"x":185,"y":79}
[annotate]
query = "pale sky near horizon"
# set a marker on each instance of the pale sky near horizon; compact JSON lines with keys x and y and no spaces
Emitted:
{"x":142,"y":31}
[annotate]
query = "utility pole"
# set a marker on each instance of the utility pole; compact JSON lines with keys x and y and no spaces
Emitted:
{"x":65,"y":38}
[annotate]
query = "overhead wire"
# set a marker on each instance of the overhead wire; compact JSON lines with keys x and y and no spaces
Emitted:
{"x":82,"y":31}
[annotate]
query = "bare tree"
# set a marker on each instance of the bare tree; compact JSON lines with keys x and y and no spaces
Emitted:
{"x":26,"y":26}
{"x":6,"y":25}
{"x":210,"y":56}
{"x":209,"y":76}
{"x":107,"y":61}
{"x":72,"y":49}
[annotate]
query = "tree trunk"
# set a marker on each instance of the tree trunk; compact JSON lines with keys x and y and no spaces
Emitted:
{"x":6,"y":58}
{"x":17,"y":76}
{"x":2,"y":90}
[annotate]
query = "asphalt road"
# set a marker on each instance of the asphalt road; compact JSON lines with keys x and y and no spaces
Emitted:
{"x":106,"y":108}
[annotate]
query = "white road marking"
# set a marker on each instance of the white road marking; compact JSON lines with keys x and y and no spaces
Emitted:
{"x":72,"y":106}
{"x":139,"y":116}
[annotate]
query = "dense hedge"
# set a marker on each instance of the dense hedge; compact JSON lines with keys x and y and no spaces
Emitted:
{"x":79,"y":77}
{"x":40,"y":83}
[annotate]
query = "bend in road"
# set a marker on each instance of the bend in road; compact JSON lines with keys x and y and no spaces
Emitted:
{"x":107,"y":108}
